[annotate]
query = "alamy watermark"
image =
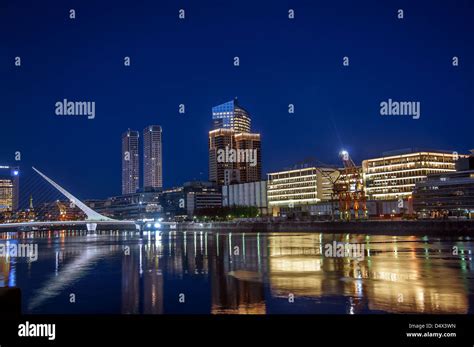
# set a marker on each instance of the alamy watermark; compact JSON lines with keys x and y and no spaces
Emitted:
{"x":400,"y":108}
{"x":19,"y":250}
{"x":28,"y":329}
{"x":344,"y":250}
{"x":231,"y":155}
{"x":75,"y":108}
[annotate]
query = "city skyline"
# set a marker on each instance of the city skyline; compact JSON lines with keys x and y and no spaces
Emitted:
{"x":23,"y":198}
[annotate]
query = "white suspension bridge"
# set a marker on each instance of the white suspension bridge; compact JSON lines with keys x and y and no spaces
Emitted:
{"x":92,"y":220}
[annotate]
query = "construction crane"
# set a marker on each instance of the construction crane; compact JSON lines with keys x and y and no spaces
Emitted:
{"x":350,"y":190}
{"x":347,"y":186}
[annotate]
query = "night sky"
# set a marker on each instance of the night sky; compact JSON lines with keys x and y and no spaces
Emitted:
{"x":190,"y":62}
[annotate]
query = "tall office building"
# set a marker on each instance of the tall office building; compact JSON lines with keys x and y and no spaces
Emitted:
{"x":230,"y":115}
{"x":219,"y":139}
{"x":251,"y":167}
{"x":130,"y":162}
{"x":152,"y":157}
{"x":234,"y":152}
{"x":9,"y":188}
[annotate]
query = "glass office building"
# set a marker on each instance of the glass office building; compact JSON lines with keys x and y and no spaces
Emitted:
{"x":231,"y":116}
{"x":445,"y":195}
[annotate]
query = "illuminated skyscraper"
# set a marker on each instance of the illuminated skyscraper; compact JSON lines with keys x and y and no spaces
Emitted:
{"x":234,"y":152}
{"x":219,"y":139}
{"x":130,"y":162}
{"x":152,"y":157}
{"x":231,"y":116}
{"x":9,"y":188}
{"x":250,"y":168}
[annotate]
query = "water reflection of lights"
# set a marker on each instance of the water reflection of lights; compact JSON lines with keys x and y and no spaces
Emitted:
{"x":425,"y":289}
{"x":296,"y":265}
{"x":284,"y":263}
{"x":195,"y":244}
{"x":70,"y":273}
{"x":171,"y":235}
{"x":185,"y":242}
{"x":141,"y":259}
{"x":258,"y":250}
{"x":56,"y":268}
{"x":393,"y":276}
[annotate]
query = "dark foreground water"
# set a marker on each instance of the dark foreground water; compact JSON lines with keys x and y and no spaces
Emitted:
{"x":210,"y":272}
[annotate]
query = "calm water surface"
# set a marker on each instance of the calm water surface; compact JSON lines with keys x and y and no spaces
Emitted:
{"x":209,"y":272}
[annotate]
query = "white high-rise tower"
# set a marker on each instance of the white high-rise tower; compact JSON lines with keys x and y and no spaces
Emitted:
{"x":152,"y":157}
{"x":130,"y":162}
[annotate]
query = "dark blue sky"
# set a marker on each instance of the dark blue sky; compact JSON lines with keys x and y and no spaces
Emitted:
{"x":191,"y":62}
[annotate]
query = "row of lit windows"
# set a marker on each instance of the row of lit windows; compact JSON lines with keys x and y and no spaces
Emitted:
{"x":286,"y":179}
{"x":420,"y":174}
{"x":292,"y":197}
{"x":308,"y":201}
{"x":392,"y":190}
{"x":447,"y":158}
{"x":291,"y":192}
{"x":286,"y":185}
{"x":408,"y":169}
{"x":393,"y":183}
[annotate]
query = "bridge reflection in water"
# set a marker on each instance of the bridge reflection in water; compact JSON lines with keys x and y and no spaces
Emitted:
{"x":119,"y":272}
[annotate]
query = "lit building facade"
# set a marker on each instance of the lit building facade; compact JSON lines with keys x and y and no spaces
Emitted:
{"x":130,"y":162}
{"x":9,"y":188}
{"x":235,"y":154}
{"x":250,"y":170}
{"x":152,"y":157}
{"x":305,"y":186}
{"x":230,"y":115}
{"x":395,"y":175}
{"x":219,"y":140}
